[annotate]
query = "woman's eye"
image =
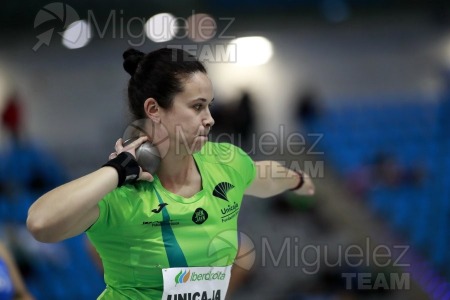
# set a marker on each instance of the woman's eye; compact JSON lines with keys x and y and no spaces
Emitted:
{"x":197,"y":106}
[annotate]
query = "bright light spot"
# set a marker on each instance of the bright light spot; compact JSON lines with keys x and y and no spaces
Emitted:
{"x":201,"y":27}
{"x":252,"y":51}
{"x":161,"y":27}
{"x":77,"y":35}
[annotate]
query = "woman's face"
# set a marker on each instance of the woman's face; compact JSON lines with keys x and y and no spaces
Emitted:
{"x":189,"y":119}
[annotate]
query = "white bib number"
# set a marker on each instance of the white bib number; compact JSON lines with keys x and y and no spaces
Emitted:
{"x":196,"y":283}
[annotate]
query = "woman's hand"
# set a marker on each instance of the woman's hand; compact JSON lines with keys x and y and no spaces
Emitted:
{"x":308,"y":188}
{"x":131,"y":148}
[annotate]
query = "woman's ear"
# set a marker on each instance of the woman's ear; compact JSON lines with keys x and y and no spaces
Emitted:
{"x":152,"y":110}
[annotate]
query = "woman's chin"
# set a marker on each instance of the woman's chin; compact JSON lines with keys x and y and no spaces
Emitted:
{"x":198,"y":144}
{"x":195,"y":146}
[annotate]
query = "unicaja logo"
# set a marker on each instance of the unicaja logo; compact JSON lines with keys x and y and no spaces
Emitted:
{"x":55,"y":14}
{"x":182,"y":277}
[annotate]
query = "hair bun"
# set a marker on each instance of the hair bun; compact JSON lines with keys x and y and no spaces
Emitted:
{"x":132,"y":58}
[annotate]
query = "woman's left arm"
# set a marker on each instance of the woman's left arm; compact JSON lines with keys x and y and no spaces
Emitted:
{"x":20,"y":290}
{"x":272,"y":178}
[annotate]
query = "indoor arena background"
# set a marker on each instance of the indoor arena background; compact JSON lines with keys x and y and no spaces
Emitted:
{"x":356,"y":93}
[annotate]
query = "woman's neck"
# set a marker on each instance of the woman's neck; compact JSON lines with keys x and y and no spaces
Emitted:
{"x":177,"y":170}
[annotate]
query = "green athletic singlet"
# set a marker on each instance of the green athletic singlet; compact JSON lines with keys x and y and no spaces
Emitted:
{"x":143,"y":228}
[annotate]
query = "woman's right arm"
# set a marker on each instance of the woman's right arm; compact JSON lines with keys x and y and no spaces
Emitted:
{"x":70,"y":209}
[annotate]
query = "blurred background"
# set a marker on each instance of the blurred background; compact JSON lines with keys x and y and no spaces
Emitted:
{"x":354,"y":92}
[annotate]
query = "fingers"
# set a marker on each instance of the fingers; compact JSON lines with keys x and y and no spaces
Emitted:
{"x":136,"y":143}
{"x":131,"y":149}
{"x":146,"y":176}
{"x":308,"y":188}
{"x":119,"y":147}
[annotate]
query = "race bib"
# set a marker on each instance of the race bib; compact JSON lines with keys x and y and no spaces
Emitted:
{"x":196,"y":283}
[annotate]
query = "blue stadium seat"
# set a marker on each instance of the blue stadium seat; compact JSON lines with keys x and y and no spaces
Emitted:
{"x":413,"y":132}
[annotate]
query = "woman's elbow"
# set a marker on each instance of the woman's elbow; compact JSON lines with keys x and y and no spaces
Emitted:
{"x":39,"y":229}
